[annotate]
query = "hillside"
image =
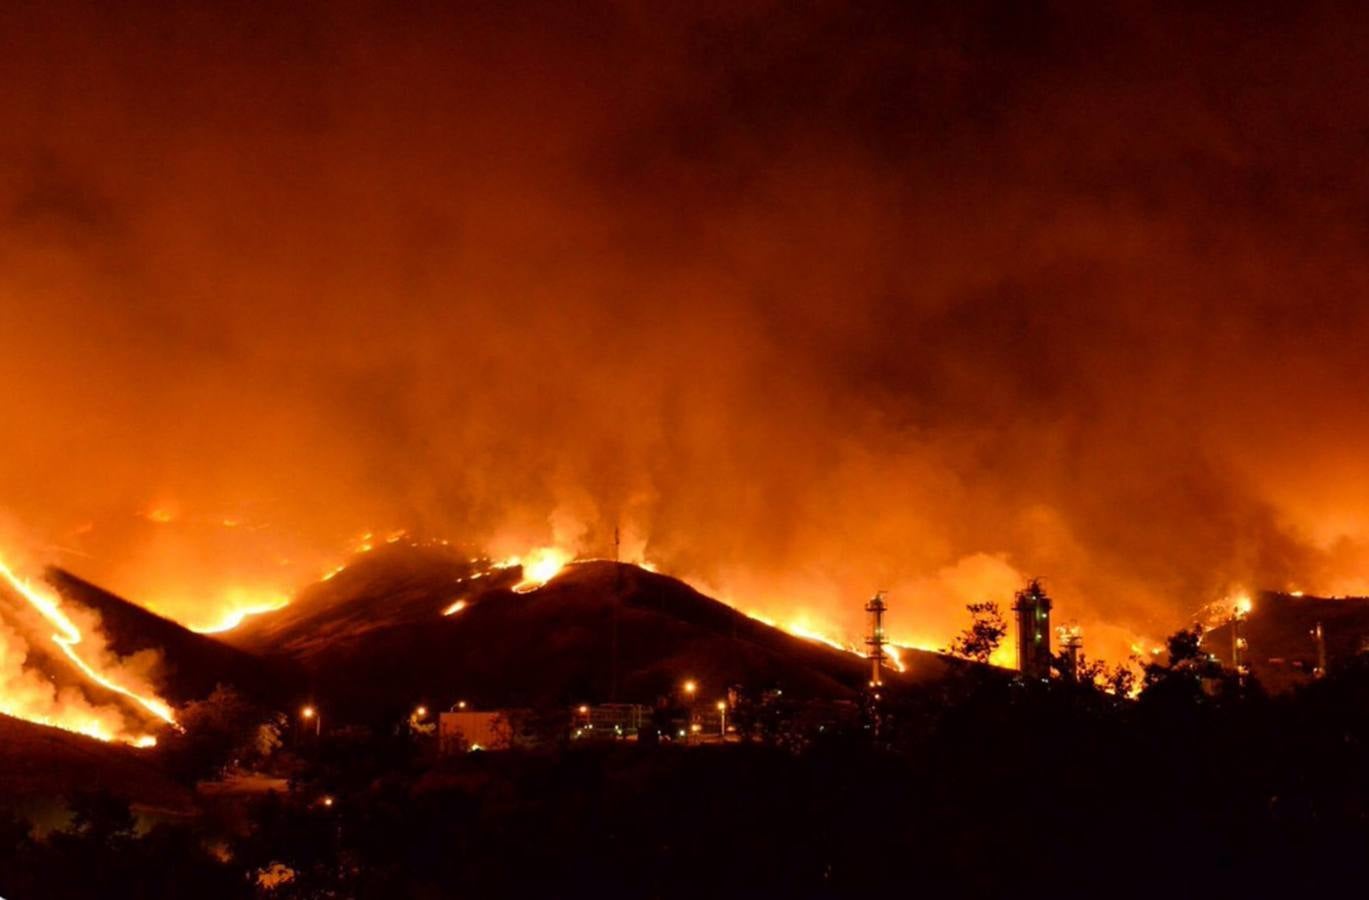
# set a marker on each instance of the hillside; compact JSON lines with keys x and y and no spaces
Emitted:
{"x":192,"y":664}
{"x":373,"y":640}
{"x":39,"y":765}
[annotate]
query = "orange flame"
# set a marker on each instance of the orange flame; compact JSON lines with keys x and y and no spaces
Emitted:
{"x":67,"y":637}
{"x":539,"y":567}
{"x":239,"y":608}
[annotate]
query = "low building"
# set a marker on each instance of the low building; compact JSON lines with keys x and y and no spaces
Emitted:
{"x":609,"y":721}
{"x":467,"y":730}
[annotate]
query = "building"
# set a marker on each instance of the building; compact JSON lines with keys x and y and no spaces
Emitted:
{"x":609,"y":721}
{"x":466,"y":730}
{"x":1071,"y":649}
{"x":1033,"y":609}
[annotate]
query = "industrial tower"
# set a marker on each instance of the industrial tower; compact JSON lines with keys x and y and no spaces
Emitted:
{"x":1033,"y":610}
{"x":876,"y":641}
{"x":1071,"y":648}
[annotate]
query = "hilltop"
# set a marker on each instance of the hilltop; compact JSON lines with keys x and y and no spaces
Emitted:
{"x":374,"y":638}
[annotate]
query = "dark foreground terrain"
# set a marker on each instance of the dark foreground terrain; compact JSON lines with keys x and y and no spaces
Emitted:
{"x":978,"y":788}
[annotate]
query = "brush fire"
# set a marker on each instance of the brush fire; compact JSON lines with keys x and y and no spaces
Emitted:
{"x":440,"y":435}
{"x":28,"y":692}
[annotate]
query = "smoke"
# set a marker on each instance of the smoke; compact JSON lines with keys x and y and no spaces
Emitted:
{"x":806,"y":301}
{"x":83,"y":686}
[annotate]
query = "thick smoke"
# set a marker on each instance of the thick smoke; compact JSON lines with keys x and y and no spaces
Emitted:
{"x":809,"y":300}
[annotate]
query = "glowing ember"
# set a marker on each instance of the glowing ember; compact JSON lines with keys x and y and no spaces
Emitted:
{"x":66,"y":638}
{"x":454,"y":608}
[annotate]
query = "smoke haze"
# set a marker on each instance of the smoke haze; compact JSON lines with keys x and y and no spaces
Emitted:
{"x":809,"y":300}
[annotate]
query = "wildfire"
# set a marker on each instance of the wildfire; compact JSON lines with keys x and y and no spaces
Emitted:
{"x":539,"y":567}
{"x":1242,"y":606}
{"x":895,"y":655}
{"x":802,"y":629}
{"x":238,"y":610}
{"x":454,"y":608}
{"x":66,"y":638}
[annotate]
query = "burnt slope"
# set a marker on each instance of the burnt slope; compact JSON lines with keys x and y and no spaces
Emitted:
{"x":553,"y":645}
{"x":40,"y":763}
{"x":393,"y":585}
{"x":192,"y":664}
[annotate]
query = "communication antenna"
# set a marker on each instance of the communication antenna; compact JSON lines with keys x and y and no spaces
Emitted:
{"x":617,"y":600}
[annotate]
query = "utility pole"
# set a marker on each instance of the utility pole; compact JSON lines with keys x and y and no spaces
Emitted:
{"x":1319,"y":635}
{"x":1238,"y":643}
{"x":613,"y":615}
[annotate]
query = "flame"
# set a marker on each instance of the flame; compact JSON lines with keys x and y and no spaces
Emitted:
{"x":1242,"y":606}
{"x":539,"y":567}
{"x":893,"y":654}
{"x":895,"y":657}
{"x":800,"y":628}
{"x":66,"y":638}
{"x":454,"y":608}
{"x":239,"y":608}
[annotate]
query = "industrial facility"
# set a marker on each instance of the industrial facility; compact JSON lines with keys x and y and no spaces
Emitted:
{"x":1033,"y":609}
{"x":1286,"y":639}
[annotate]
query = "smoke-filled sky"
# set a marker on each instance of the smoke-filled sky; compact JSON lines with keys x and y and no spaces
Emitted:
{"x":813,"y":299}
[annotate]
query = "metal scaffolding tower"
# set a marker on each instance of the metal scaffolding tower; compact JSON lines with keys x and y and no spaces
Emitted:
{"x":876,"y":641}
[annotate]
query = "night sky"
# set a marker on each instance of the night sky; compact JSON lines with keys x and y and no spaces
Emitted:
{"x":809,"y":299}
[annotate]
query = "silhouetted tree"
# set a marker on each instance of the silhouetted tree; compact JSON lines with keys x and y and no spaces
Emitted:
{"x":986,"y":632}
{"x":222,"y":730}
{"x":100,"y":816}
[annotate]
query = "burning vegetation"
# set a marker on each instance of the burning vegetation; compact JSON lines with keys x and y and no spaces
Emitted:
{"x":83,"y":687}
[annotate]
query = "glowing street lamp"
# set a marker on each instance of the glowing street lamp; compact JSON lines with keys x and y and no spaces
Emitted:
{"x":722,"y":718}
{"x":311,"y":714}
{"x":690,"y":687}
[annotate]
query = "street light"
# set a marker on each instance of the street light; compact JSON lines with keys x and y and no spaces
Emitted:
{"x":722,"y":718}
{"x":690,"y":688}
{"x":311,"y":714}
